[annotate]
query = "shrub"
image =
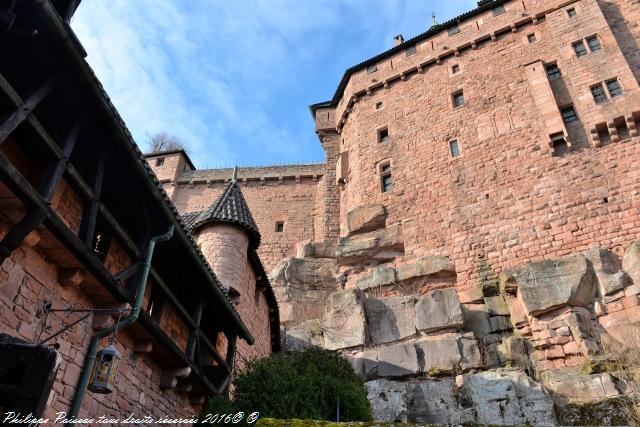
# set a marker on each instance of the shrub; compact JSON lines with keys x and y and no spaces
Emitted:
{"x":305,"y":385}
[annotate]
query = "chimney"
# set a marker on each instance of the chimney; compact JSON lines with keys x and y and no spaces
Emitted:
{"x":398,"y":39}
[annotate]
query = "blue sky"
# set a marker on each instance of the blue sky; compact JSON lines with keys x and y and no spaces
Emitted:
{"x":233,"y":79}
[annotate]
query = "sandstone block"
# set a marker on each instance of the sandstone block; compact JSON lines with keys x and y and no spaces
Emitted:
{"x":439,"y":355}
{"x":305,"y":335}
{"x":500,"y":323}
{"x":471,"y":296}
{"x":436,"y":402}
{"x":371,"y":248}
{"x":324,"y":249}
{"x":397,"y":360}
{"x":344,"y":321}
{"x":609,"y":274}
{"x":366,"y":218}
{"x":631,"y":262}
{"x":476,"y":319}
{"x":390,"y":319}
{"x":424,"y":267}
{"x":305,"y":273}
{"x":439,"y":309}
{"x":380,"y":277}
{"x":496,"y":306}
{"x":546,"y":285}
{"x":388,"y":399}
{"x":571,"y":384}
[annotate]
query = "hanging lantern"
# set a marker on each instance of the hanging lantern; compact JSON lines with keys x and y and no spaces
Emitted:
{"x":104,"y":370}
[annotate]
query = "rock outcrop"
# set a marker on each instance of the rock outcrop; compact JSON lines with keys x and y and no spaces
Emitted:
{"x":371,"y":248}
{"x":366,"y":218}
{"x":344,"y":320}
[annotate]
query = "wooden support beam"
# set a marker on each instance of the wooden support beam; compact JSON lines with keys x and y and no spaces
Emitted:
{"x":19,"y":231}
{"x":55,"y":174}
{"x":70,"y":277}
{"x":192,"y":344}
{"x":143,"y":347}
{"x":90,"y":215}
{"x":9,"y":123}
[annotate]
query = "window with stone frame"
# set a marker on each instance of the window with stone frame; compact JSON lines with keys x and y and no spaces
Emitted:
{"x":386,"y":181}
{"x":455,"y":68}
{"x":568,"y":114}
{"x":553,"y":72}
{"x":531,"y":38}
{"x":160,"y":161}
{"x":599,"y":95}
{"x":579,"y":48}
{"x":457,"y":98}
{"x":571,"y":12}
{"x":454,"y":148}
{"x":279,"y":226}
{"x":383,"y":135}
{"x":594,"y":43}
{"x":614,"y":88}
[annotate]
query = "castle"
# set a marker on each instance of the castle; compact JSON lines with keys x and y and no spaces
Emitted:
{"x":478,"y":208}
{"x":471,"y":243}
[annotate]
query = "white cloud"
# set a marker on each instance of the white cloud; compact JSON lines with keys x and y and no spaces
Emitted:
{"x":232,"y":79}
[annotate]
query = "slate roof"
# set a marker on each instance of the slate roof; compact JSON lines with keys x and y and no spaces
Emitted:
{"x":483,"y":6}
{"x":231,"y":207}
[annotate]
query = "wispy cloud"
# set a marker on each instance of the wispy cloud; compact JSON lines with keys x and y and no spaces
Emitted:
{"x":233,"y":79}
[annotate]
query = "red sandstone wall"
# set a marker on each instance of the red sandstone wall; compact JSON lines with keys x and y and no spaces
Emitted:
{"x":506,"y":197}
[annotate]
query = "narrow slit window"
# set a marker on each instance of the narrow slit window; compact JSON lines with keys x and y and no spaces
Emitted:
{"x":594,"y":43}
{"x":614,"y":88}
{"x":598,"y":93}
{"x":410,"y":50}
{"x":553,"y":72}
{"x":498,"y":10}
{"x":579,"y":48}
{"x":386,"y":182}
{"x":458,"y":99}
{"x":454,"y":148}
{"x":279,"y":226}
{"x":372,"y":69}
{"x":571,"y":12}
{"x":453,"y":30}
{"x":383,"y":135}
{"x":569,"y":114}
{"x":160,"y":161}
{"x":532,"y":38}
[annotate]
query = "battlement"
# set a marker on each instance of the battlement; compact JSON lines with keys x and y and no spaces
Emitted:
{"x":254,"y":173}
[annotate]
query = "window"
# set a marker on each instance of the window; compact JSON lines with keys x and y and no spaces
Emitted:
{"x":594,"y":43}
{"x":454,"y":148}
{"x":458,"y":99}
{"x":378,"y":105}
{"x":579,"y":49}
{"x":383,"y":135}
{"x":568,"y":114}
{"x":410,"y":50}
{"x":279,"y":226}
{"x":553,"y":72}
{"x":386,"y":183}
{"x":455,"y":69}
{"x":498,"y":10}
{"x":598,"y":93}
{"x":571,"y":12}
{"x":532,"y":38}
{"x":372,"y":69}
{"x":453,"y":30}
{"x":614,"y":88}
{"x":160,"y":161}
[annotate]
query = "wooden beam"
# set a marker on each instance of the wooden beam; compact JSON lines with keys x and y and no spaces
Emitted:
{"x":90,"y":215}
{"x":13,"y":120}
{"x":19,"y":231}
{"x":193,"y":336}
{"x":55,"y":174}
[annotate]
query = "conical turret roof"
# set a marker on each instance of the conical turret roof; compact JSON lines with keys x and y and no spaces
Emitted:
{"x":231,"y":207}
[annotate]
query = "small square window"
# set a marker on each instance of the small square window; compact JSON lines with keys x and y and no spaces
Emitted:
{"x":455,"y":69}
{"x":378,"y":105}
{"x":383,"y":135}
{"x":498,"y":10}
{"x":160,"y":161}
{"x":279,"y":226}
{"x":598,"y":93}
{"x":571,"y":12}
{"x":532,"y":38}
{"x":372,"y":69}
{"x":458,"y":99}
{"x":386,"y":182}
{"x":553,"y":72}
{"x":568,"y":114}
{"x":410,"y":50}
{"x":594,"y":43}
{"x":614,"y":88}
{"x":579,"y":49}
{"x":453,"y":30}
{"x":454,"y":148}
